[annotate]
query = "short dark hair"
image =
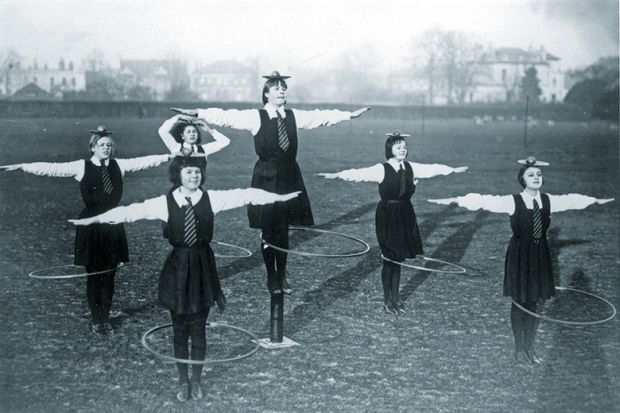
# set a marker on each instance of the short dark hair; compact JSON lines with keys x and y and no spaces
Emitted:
{"x":179,"y":127}
{"x":522,"y":172}
{"x":180,"y":162}
{"x":389,"y":143}
{"x":268,"y":84}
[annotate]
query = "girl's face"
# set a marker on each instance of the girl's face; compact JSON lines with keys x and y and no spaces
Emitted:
{"x":276,"y":95}
{"x":399,"y":150}
{"x":103,"y":148}
{"x":190,"y":135}
{"x":191,"y":177}
{"x":533,"y":178}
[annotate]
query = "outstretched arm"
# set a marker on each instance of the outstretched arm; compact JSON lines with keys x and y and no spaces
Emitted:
{"x":166,"y":136}
{"x":74,"y":169}
{"x":568,"y":202}
{"x":374,"y":173}
{"x":235,"y":198}
{"x":423,"y":170}
{"x":143,"y":162}
{"x":492,"y":203}
{"x":154,"y":208}
{"x":310,"y":119}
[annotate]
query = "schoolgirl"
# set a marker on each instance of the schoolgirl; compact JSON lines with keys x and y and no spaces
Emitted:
{"x":395,"y":220}
{"x":184,"y":134}
{"x":103,"y":246}
{"x":188,"y":283}
{"x":528,"y":272}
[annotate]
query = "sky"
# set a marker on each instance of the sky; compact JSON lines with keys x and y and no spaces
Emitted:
{"x":298,"y":33}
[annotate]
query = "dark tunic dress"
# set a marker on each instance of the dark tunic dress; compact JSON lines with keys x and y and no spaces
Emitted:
{"x":188,"y":282}
{"x":395,"y":221}
{"x":101,"y":246}
{"x":528,"y":273}
{"x":277,"y":171}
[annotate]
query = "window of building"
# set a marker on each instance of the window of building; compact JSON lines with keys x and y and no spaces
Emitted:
{"x":51,"y":82}
{"x":35,"y":80}
{"x":64,"y":81}
{"x":503,"y":74}
{"x":73,"y":81}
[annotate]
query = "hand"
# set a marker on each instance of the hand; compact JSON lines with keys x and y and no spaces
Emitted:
{"x":328,"y":175}
{"x":204,"y":125}
{"x":604,"y":201}
{"x":460,"y":169}
{"x":83,"y":221}
{"x":188,"y":112}
{"x":359,"y":112}
{"x":221,"y":304}
{"x":292,"y":195}
{"x":445,"y":201}
{"x":10,"y":167}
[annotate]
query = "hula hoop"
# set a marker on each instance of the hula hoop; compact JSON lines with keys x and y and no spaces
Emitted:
{"x":206,"y":361}
{"x":34,"y":274}
{"x":248,"y":253}
{"x":314,"y":254}
{"x":575,"y":323}
{"x":458,"y":270}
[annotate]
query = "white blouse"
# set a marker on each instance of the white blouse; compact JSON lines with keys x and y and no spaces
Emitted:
{"x":376,"y":173}
{"x":249,"y":119}
{"x":75,"y":169}
{"x":157,"y":208}
{"x":505,"y":203}
{"x":221,"y":140}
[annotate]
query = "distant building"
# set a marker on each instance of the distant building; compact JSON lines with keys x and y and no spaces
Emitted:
{"x":156,"y":75}
{"x":56,"y":81}
{"x":31,"y":92}
{"x":500,"y":71}
{"x":226,"y":81}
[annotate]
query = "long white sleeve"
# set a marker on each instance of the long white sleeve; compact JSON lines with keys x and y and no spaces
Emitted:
{"x":166,"y":136}
{"x":221,"y":141}
{"x":235,"y":198}
{"x":154,"y":208}
{"x":429,"y":170}
{"x":310,"y":119}
{"x":494,"y":203}
{"x":374,"y":173}
{"x":569,"y":202}
{"x":247,"y":119}
{"x":143,"y":162}
{"x":74,"y":169}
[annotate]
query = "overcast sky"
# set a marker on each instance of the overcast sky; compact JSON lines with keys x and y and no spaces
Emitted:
{"x":296,"y":33}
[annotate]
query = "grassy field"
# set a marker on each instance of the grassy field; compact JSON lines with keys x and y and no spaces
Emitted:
{"x":451,"y":353}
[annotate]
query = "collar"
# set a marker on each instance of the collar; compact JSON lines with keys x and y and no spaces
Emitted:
{"x":97,"y":161}
{"x":529,"y":199}
{"x":271,"y":110}
{"x":187,"y":145}
{"x":396,"y":164}
{"x":179,"y":198}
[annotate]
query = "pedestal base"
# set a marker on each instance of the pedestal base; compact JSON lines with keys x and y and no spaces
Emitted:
{"x":268,"y":344}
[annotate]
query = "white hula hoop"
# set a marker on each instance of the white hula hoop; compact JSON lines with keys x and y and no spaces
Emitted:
{"x":35,"y":274}
{"x":313,"y":254}
{"x":248,"y":253}
{"x":568,"y":322}
{"x":205,"y":361}
{"x":458,"y":270}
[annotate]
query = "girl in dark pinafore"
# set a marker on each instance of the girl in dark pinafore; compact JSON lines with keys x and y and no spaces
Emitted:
{"x":528,"y":273}
{"x":395,"y":221}
{"x":188,"y":283}
{"x":98,"y":247}
{"x":275,"y":141}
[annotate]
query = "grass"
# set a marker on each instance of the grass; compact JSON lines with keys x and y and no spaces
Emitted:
{"x":452,"y":352}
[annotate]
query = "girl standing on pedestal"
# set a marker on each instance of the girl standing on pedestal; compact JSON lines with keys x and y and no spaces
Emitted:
{"x":396,"y":225}
{"x":528,"y":272}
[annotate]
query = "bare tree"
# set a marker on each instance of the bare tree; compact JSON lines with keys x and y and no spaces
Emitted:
{"x":10,"y":60}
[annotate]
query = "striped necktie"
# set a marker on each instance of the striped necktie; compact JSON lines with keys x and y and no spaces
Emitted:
{"x":282,"y":135}
{"x":189,"y":235}
{"x":402,"y":181}
{"x":537,"y":232}
{"x":105,"y":177}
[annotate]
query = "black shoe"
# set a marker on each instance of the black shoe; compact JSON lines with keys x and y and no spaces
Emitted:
{"x":521,"y":357}
{"x":97,"y":328}
{"x":399,"y":308}
{"x":286,"y":287}
{"x":196,"y":391}
{"x":531,"y":356}
{"x":183,"y":392}
{"x":389,"y":308}
{"x":108,"y":329}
